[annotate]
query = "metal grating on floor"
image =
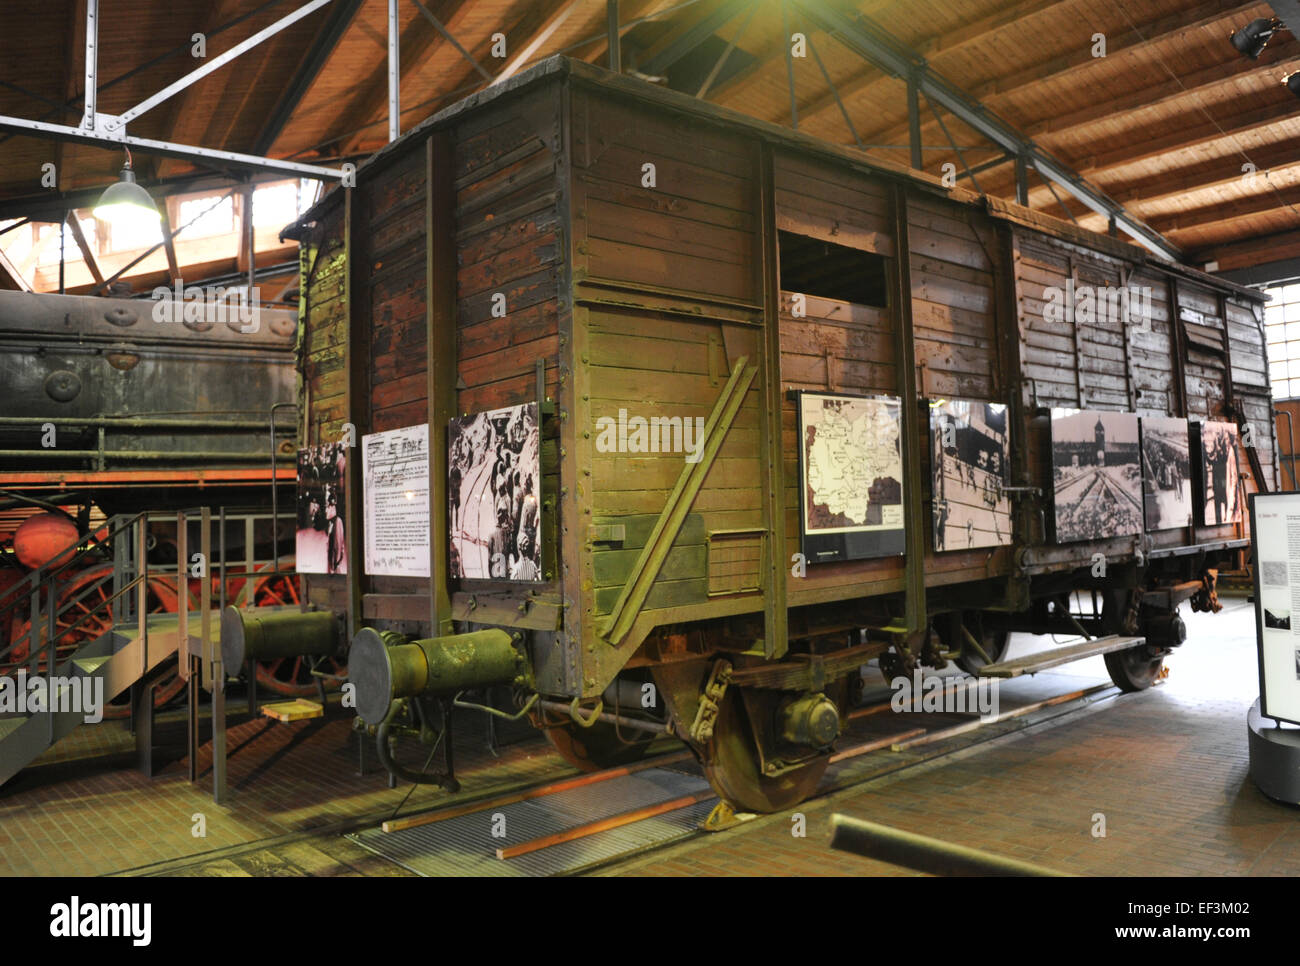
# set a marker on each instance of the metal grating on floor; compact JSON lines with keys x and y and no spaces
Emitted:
{"x":464,"y":845}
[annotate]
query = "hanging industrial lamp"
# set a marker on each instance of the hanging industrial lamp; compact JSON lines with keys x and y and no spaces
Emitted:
{"x":126,"y":201}
{"x":1254,"y":37}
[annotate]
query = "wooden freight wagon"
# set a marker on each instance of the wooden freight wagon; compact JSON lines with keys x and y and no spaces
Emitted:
{"x":608,"y":251}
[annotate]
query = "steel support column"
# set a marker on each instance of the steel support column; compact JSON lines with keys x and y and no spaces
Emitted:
{"x":789,"y":66}
{"x":914,"y":122}
{"x":92,"y":64}
{"x":394,"y":74}
{"x":905,"y":360}
{"x":774,"y":574}
{"x":440,"y":344}
{"x":615,"y":44}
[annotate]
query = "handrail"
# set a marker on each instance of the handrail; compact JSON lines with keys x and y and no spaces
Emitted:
{"x":40,"y":586}
{"x":54,"y":568}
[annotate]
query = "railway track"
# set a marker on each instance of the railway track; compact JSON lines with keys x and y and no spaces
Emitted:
{"x":581,"y":824}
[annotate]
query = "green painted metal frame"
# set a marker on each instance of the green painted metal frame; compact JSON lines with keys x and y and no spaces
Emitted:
{"x":440,"y":255}
{"x":774,"y":574}
{"x":905,"y":358}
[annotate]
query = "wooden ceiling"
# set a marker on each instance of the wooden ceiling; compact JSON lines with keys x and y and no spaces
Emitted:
{"x":1164,"y":123}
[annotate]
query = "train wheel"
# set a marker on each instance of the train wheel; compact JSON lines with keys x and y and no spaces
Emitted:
{"x":1134,"y":669}
{"x":597,"y":747}
{"x":289,"y":676}
{"x":995,"y":645}
{"x":993,"y":641}
{"x":732,"y":768}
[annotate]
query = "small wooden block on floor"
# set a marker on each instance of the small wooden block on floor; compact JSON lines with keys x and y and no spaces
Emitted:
{"x":294,"y":710}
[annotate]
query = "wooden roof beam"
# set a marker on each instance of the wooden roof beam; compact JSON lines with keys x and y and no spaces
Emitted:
{"x":370,"y":104}
{"x":694,"y":27}
{"x":10,"y":277}
{"x":1194,"y":135}
{"x":169,"y":242}
{"x":79,"y":236}
{"x":1119,"y":41}
{"x":638,"y":10}
{"x":537,"y":41}
{"x":1251,"y":251}
{"x":1215,"y":173}
{"x":327,"y":38}
{"x":185,"y":106}
{"x":1286,"y":56}
{"x":940,"y":43}
{"x":1268,"y":200}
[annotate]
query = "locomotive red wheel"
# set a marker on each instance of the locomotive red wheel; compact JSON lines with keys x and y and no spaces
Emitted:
{"x":597,"y":747}
{"x":289,"y":676}
{"x":162,"y":599}
{"x":732,"y":766}
{"x":170,"y":687}
{"x":1134,"y":669}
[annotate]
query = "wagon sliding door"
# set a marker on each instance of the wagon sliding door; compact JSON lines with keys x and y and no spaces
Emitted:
{"x":667,"y":325}
{"x":837,"y":328}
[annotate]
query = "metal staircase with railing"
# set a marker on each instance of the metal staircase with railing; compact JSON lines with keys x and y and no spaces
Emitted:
{"x":84,"y":644}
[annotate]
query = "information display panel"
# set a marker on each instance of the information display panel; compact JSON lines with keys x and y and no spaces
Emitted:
{"x":395,"y":468}
{"x":1275,"y":542}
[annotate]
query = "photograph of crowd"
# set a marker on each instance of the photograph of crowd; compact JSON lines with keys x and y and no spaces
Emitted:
{"x":1166,"y":472}
{"x":970,"y":453}
{"x":1221,"y":499}
{"x":1096,"y":475}
{"x":494,"y":491}
{"x":321,"y":543}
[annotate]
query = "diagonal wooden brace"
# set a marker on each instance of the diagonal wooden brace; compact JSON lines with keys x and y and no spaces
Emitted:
{"x":634,"y":593}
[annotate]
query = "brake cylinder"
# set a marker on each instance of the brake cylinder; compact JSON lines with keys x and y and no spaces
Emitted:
{"x":385,"y":668}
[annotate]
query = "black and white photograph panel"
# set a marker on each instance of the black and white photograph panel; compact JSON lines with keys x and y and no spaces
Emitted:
{"x":494,"y":494}
{"x":1166,"y":472}
{"x":1096,"y":475}
{"x":1221,"y":490}
{"x":970,"y":451}
{"x":321,"y":544}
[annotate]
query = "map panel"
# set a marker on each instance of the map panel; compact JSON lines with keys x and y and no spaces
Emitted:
{"x":851,"y":476}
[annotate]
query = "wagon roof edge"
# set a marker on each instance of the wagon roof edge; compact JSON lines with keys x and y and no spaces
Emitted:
{"x":559,"y":65}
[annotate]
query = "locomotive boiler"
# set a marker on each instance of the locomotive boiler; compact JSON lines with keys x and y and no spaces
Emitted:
{"x":117,"y":405}
{"x":779,"y":409}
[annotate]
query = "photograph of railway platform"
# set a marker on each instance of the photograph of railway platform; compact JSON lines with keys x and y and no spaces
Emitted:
{"x":1097,"y":475}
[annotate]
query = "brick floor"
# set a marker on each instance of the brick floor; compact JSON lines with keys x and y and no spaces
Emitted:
{"x":82,"y":809}
{"x":1167,"y":768}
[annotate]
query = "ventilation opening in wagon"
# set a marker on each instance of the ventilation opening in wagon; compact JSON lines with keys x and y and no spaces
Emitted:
{"x":826,"y":270}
